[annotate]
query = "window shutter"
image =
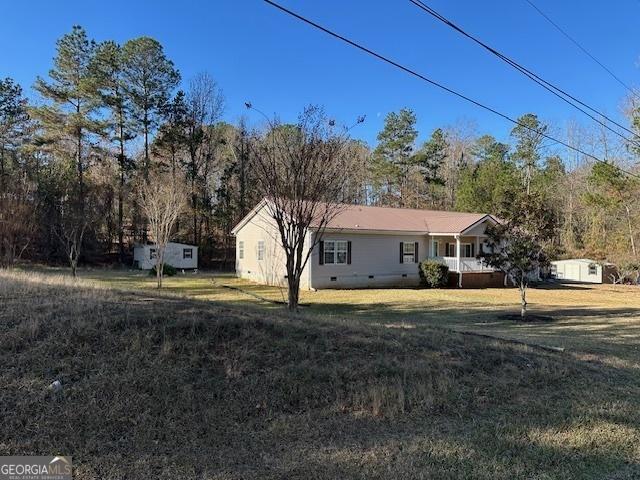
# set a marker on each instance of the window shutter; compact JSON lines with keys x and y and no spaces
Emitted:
{"x":321,"y":253}
{"x":401,"y":252}
{"x":415,"y":254}
{"x":349,"y":252}
{"x":473,"y":249}
{"x":446,"y":249}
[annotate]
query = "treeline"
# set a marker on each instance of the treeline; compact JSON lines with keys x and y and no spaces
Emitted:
{"x":72,"y":163}
{"x":595,"y":205}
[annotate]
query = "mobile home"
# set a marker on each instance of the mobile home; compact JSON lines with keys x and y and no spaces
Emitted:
{"x":178,"y":255}
{"x":366,"y":246}
{"x":582,"y":270}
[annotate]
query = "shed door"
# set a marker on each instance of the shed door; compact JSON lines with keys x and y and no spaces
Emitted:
{"x":572,"y":271}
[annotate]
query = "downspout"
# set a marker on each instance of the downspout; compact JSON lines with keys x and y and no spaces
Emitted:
{"x":457,"y":237}
{"x":310,"y":263}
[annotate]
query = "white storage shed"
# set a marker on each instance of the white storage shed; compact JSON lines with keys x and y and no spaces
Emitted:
{"x":582,"y":270}
{"x":178,"y":255}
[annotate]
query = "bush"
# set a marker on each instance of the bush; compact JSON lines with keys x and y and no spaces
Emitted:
{"x":433,"y":274}
{"x":167,"y":271}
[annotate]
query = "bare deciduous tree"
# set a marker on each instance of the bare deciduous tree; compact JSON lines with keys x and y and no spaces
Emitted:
{"x":205,"y":104}
{"x":70,"y":231}
{"x":300,"y":171}
{"x":17,"y":225}
{"x":163,"y":201}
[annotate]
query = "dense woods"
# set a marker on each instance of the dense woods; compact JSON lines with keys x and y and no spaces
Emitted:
{"x":108,"y":119}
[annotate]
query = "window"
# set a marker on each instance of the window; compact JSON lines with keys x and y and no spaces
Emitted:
{"x":554,"y":271}
{"x":241,"y":250}
{"x":152,"y":253}
{"x":260,"y":249}
{"x":329,"y":252}
{"x":451,"y":249}
{"x":593,"y":269}
{"x":466,"y":250}
{"x":436,"y":247}
{"x":187,"y":253}
{"x":336,"y":252}
{"x":408,"y":252}
{"x":341,"y":252}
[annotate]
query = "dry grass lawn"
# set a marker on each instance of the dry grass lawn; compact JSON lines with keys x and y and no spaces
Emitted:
{"x":209,"y":382}
{"x":596,"y":322}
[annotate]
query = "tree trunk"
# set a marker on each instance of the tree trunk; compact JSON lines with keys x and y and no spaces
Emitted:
{"x":159,"y":269}
{"x":293,"y":281}
{"x":79,"y":160}
{"x":121,"y":216}
{"x":146,"y":147}
{"x":633,"y":243}
{"x":121,"y":191}
{"x":241,"y":200}
{"x":74,"y":265}
{"x":194,"y":203}
{"x":523,"y":301}
{"x":145,"y":168}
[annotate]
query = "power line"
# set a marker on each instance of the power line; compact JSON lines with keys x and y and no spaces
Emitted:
{"x":577,"y":44}
{"x":437,"y":84}
{"x":554,"y":89}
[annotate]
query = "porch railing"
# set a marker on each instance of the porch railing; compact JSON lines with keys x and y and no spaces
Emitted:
{"x":466,"y":264}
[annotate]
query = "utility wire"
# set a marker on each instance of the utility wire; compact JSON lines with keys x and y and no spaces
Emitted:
{"x":577,"y":44}
{"x":437,"y":84}
{"x":554,"y":89}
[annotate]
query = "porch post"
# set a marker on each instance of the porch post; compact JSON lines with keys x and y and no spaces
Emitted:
{"x":458,"y":260}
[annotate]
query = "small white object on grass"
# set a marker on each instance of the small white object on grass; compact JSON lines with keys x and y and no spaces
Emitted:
{"x":56,"y":386}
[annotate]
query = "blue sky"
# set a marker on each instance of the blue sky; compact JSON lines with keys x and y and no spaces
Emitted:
{"x":257,"y":53}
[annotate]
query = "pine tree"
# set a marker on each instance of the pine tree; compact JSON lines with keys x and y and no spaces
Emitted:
{"x":529,"y":135}
{"x":70,"y":117}
{"x":14,"y":124}
{"x":486,"y":183}
{"x":150,"y":77}
{"x":172,"y":135}
{"x":393,"y":157}
{"x":430,"y":160}
{"x":108,"y":68}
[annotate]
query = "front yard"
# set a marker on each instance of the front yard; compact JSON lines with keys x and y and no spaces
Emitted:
{"x":601,"y":322}
{"x":209,"y":381}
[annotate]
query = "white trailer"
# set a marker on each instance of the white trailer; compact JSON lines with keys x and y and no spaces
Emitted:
{"x":582,"y":270}
{"x":178,"y":255}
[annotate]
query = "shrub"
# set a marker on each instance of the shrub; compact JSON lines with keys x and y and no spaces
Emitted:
{"x":167,"y":270}
{"x":433,"y":274}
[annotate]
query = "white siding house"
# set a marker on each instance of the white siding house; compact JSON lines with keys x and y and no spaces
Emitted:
{"x":367,"y":246}
{"x":178,"y":255}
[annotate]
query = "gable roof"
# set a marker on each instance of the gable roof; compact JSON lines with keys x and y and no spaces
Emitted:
{"x":388,"y":219}
{"x":360,"y":217}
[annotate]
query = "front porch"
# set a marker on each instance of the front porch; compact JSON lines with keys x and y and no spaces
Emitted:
{"x":459,"y":253}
